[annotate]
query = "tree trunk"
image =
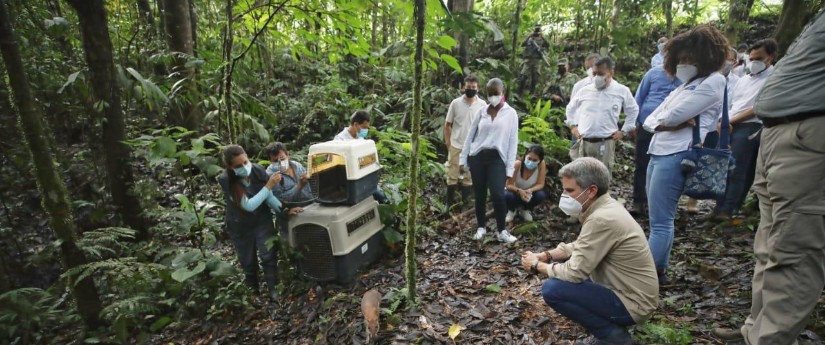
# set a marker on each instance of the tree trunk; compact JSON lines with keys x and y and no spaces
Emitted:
{"x":516,"y":28}
{"x":97,"y":46}
{"x":667,"y":6}
{"x":793,"y":18}
{"x":412,"y":189}
{"x":466,"y":7}
{"x":179,"y":36}
{"x":374,"y":37}
{"x":53,"y":192}
{"x":614,"y":21}
{"x":193,"y":24}
{"x":738,"y":15}
{"x":226,"y":86}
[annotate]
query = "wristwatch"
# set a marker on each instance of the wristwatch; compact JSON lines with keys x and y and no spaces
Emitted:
{"x":534,"y":267}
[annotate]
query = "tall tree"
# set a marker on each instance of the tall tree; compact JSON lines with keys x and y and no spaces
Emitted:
{"x":412,"y":190}
{"x":738,"y":14}
{"x":97,"y":47}
{"x":516,"y":28}
{"x":52,"y":190}
{"x":667,"y":6}
{"x":793,"y":18}
{"x":463,"y":8}
{"x":180,"y":38}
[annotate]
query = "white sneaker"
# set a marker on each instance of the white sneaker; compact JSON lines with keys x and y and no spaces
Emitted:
{"x":526,"y":215}
{"x":510,"y":216}
{"x":480,"y":233}
{"x":504,"y":236}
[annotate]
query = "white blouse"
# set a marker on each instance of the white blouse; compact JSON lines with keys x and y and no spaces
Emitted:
{"x":500,"y":134}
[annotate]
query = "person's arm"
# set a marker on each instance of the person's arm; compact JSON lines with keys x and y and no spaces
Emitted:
{"x":251,"y":204}
{"x":468,"y":143}
{"x":707,"y":94}
{"x":448,"y":124}
{"x":570,"y":113}
{"x":542,"y":171}
{"x":743,"y":116}
{"x":631,"y":111}
{"x":511,"y":180}
{"x":643,"y":90}
{"x":512,"y":145}
{"x":594,"y":242}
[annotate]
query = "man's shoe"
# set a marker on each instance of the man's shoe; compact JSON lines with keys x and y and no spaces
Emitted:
{"x":504,"y":236}
{"x":638,"y":209}
{"x":526,"y":215}
{"x":692,"y":206}
{"x":727,"y":334}
{"x":480,"y":232}
{"x":510,"y":216}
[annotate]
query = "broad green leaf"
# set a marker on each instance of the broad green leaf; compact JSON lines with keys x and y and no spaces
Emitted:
{"x":452,"y":62}
{"x":160,"y":324}
{"x":70,"y":81}
{"x":183,"y":274}
{"x":446,"y":42}
{"x":184,"y":259}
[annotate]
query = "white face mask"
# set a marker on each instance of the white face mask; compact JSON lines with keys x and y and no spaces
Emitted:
{"x":245,"y":170}
{"x":494,"y":100}
{"x":600,"y":81}
{"x":589,"y":72}
{"x":686,"y":72}
{"x":570,"y":206}
{"x":758,"y":66}
{"x":284,"y":164}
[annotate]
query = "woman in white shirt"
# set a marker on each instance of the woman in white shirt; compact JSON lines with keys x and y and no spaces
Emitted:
{"x":695,"y":57}
{"x":490,"y":153}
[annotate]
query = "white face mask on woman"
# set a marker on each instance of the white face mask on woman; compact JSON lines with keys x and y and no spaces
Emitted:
{"x":570,"y":206}
{"x":686,"y":72}
{"x":494,"y":100}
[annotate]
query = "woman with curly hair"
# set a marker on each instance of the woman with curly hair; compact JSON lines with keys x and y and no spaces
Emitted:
{"x":695,"y":57}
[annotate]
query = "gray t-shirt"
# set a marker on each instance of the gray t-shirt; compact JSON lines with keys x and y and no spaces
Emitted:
{"x":796,"y":85}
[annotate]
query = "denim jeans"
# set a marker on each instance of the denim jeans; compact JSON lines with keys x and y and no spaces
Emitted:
{"x":514,"y":200}
{"x":489,"y":173}
{"x":591,"y":305}
{"x":643,"y":138}
{"x":665,"y":183}
{"x":744,"y":151}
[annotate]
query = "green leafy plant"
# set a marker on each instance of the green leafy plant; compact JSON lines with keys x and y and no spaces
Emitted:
{"x":663,"y":333}
{"x":32,"y":315}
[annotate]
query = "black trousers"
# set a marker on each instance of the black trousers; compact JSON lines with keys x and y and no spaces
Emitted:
{"x":489,"y":173}
{"x":643,"y":138}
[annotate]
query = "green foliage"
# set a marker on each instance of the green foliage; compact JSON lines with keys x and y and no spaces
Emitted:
{"x":663,"y":333}
{"x":33,"y":316}
{"x":542,"y":126}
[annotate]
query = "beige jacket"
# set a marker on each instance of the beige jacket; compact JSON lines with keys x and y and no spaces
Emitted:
{"x":612,"y":251}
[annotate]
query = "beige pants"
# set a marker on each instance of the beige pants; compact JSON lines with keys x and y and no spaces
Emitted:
{"x":604,"y":151}
{"x":789,"y":246}
{"x":453,"y":172}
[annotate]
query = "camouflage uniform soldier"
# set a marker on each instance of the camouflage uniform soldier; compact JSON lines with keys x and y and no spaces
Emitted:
{"x":561,"y":84}
{"x":534,"y":47}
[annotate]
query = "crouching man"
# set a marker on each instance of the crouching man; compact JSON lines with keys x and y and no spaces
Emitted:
{"x":606,"y":279}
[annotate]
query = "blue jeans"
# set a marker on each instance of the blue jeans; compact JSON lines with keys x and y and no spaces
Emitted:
{"x":514,"y":200}
{"x":665,"y":183}
{"x":489,"y":173}
{"x":643,"y":138}
{"x":591,"y":305}
{"x":744,"y":151}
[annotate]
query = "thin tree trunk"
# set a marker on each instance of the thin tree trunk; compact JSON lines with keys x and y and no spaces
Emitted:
{"x":614,"y":21}
{"x":791,"y":22}
{"x":738,"y":15}
{"x":226,"y":86}
{"x":52,"y":190}
{"x":412,"y":189}
{"x":193,"y":23}
{"x":385,"y":24}
{"x":97,"y":46}
{"x":667,"y":5}
{"x":516,"y":28}
{"x":466,"y":7}
{"x":374,"y":37}
{"x":179,"y":37}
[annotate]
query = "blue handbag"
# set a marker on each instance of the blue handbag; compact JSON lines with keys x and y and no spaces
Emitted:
{"x":708,"y":180}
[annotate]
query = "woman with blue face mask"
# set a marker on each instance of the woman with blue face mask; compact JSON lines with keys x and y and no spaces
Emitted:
{"x":525,"y":189}
{"x":249,"y":201}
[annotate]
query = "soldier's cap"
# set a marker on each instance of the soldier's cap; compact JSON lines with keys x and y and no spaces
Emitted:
{"x":563,"y":61}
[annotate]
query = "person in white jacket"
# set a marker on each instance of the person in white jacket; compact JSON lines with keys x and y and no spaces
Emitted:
{"x":594,"y":115}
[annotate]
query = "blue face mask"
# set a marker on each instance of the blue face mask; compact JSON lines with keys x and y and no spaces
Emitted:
{"x":363,"y":133}
{"x":530,"y":164}
{"x":244,"y":171}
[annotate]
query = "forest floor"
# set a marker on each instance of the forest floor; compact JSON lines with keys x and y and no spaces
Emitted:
{"x":481,"y":286}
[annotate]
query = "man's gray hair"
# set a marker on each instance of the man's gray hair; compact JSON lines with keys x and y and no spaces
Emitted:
{"x":588,"y":171}
{"x":592,"y":57}
{"x":497,"y":83}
